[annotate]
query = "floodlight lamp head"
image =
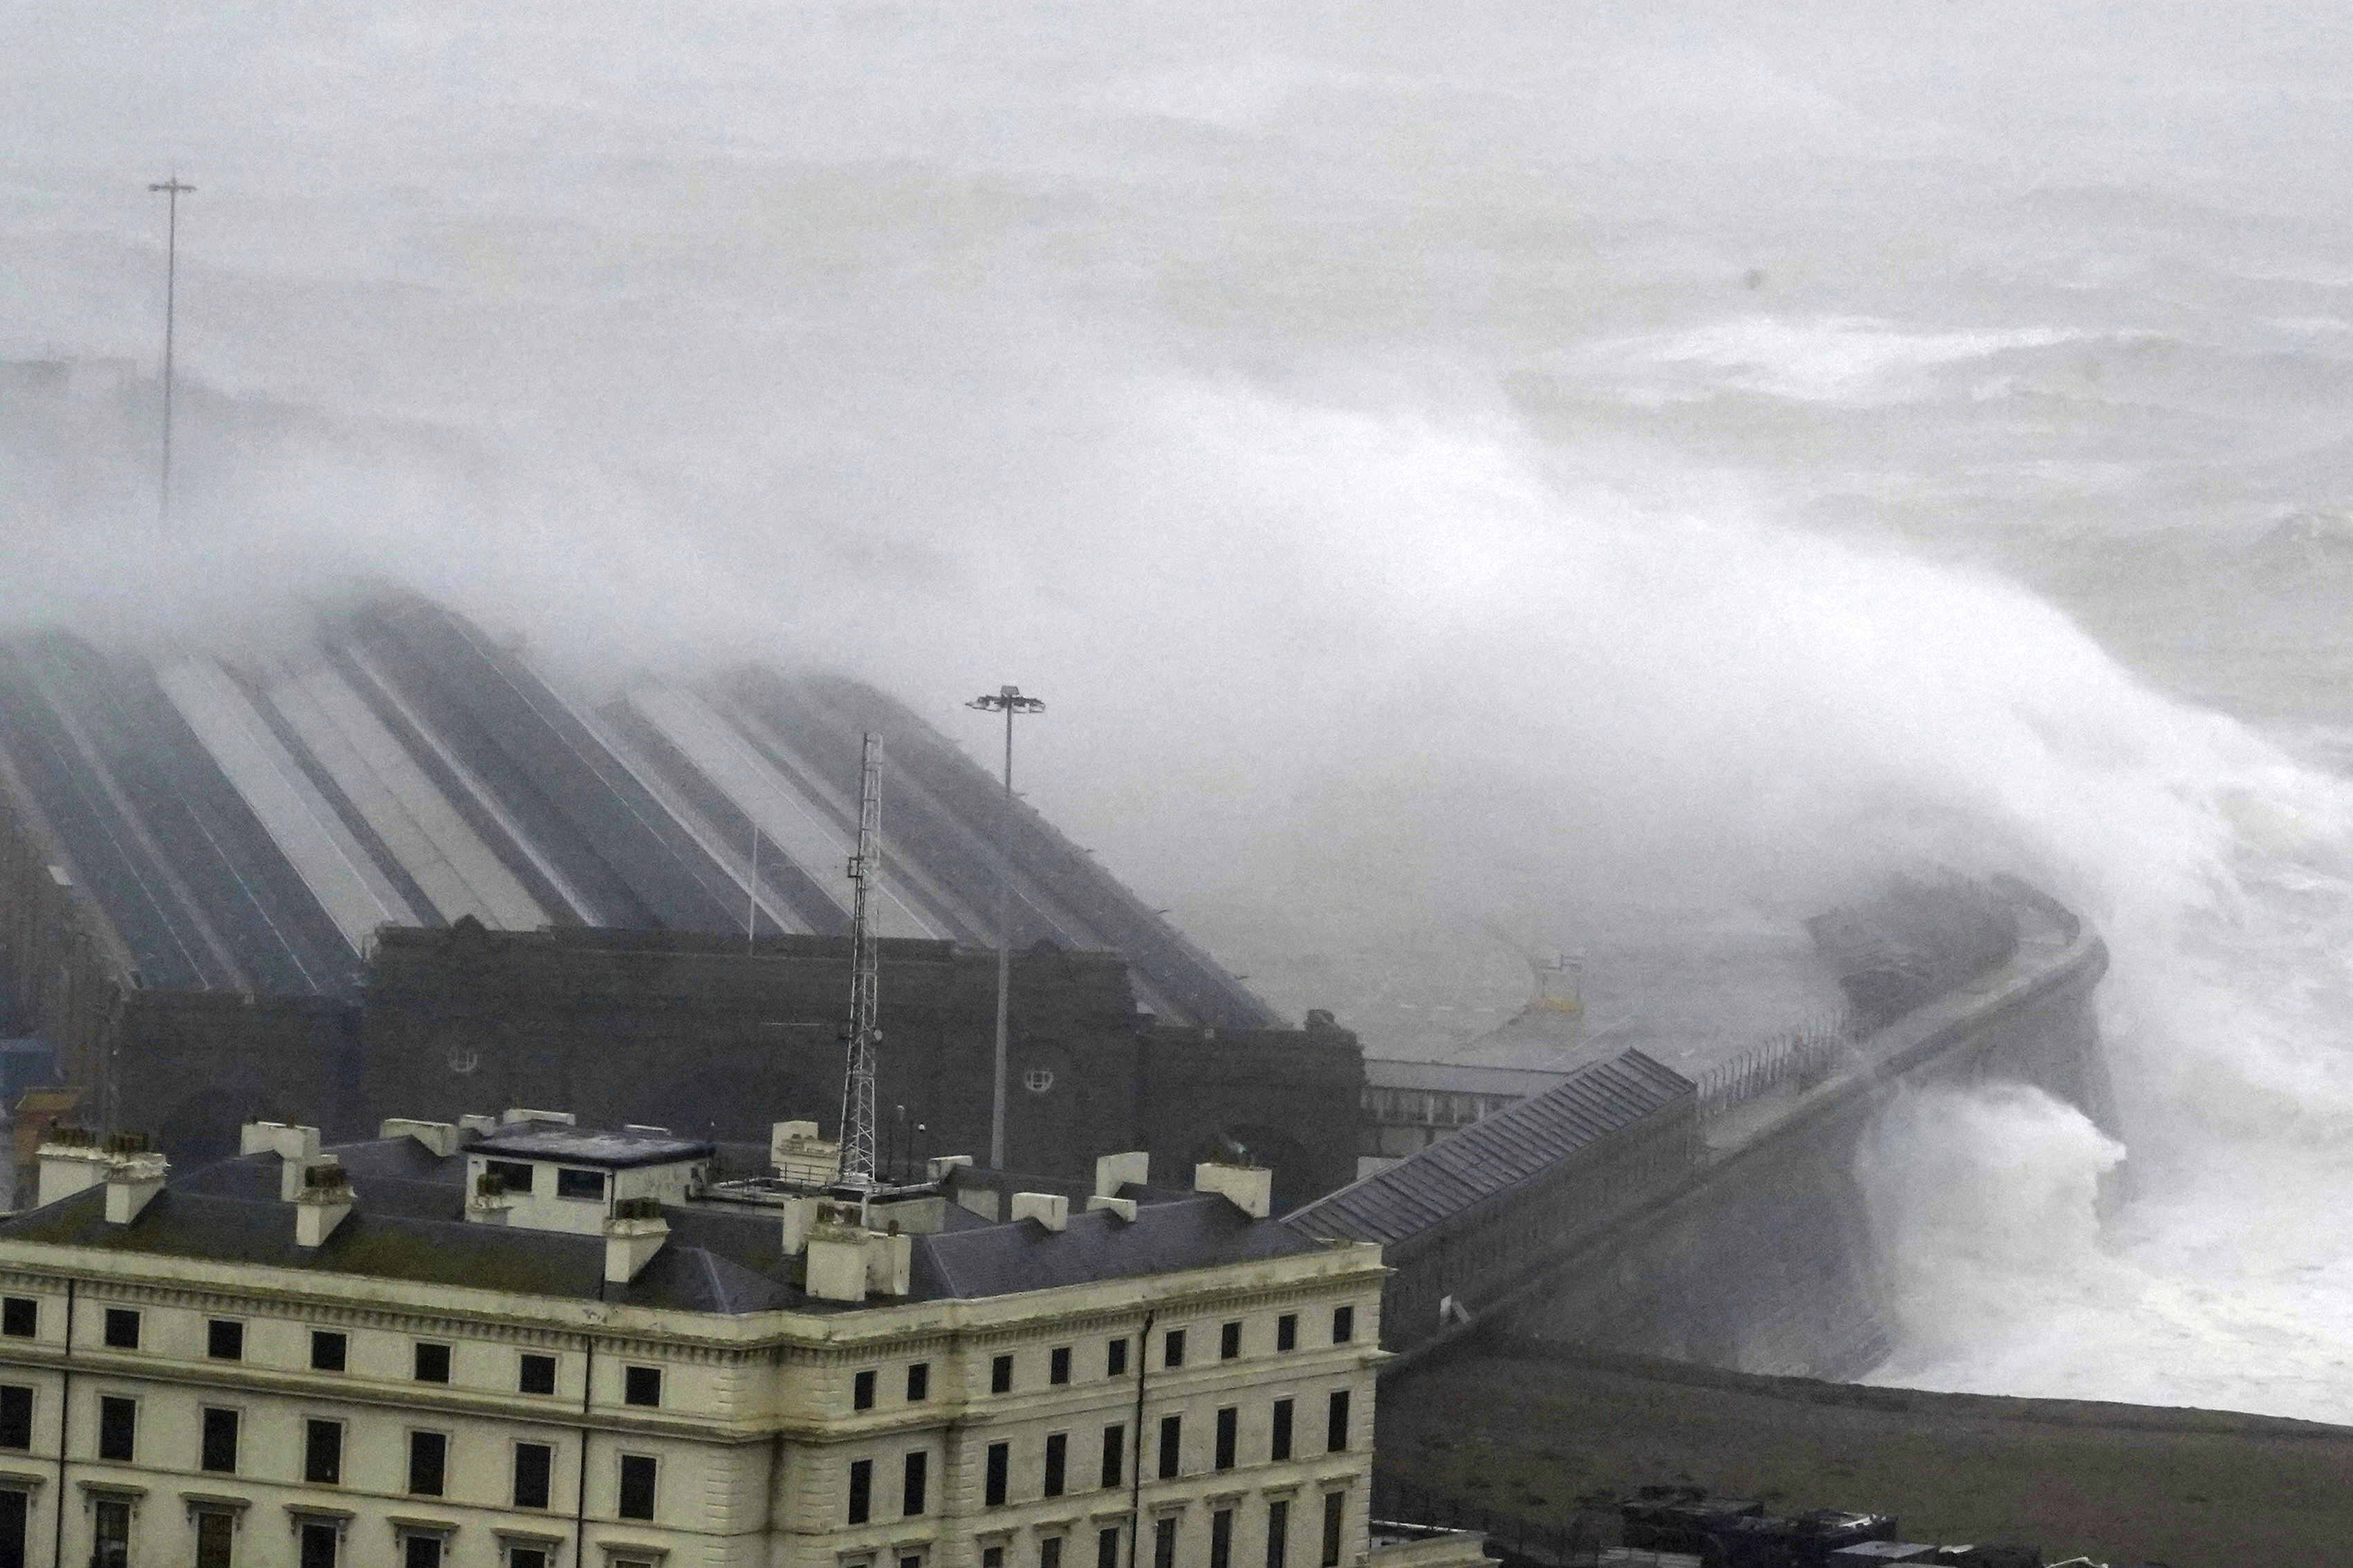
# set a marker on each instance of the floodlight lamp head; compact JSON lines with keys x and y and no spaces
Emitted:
{"x":1007,"y":700}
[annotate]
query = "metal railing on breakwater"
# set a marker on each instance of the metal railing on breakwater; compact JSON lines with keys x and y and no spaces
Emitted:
{"x":1807,"y":1054}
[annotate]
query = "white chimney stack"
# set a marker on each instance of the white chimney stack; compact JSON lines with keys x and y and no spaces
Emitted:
{"x":1250,"y":1187}
{"x":836,"y":1263}
{"x":889,"y":1264}
{"x":1114,"y":1171}
{"x":71,"y":1161}
{"x":632,"y":1236}
{"x":800,"y":1217}
{"x":323,"y":1203}
{"x":131,"y":1183}
{"x":438,"y":1137}
{"x":1051,"y":1210}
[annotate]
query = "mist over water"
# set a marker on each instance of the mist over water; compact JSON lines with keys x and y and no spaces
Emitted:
{"x":1504,"y":480}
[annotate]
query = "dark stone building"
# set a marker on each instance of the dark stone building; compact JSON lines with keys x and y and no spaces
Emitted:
{"x":705,"y":1036}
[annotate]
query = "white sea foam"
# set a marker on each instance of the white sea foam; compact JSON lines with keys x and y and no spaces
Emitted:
{"x":1849,"y":359}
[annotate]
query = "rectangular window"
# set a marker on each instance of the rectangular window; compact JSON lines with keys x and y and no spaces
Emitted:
{"x":1050,"y":1553}
{"x":219,"y":1448}
{"x":20,"y":1317}
{"x":1115,"y":1458}
{"x":515,"y":1175}
{"x":1286,"y":1331}
{"x":1335,"y":1427}
{"x":1335,"y":1506}
{"x":913,"y":1481}
{"x":1279,"y":1444}
{"x":579,"y":1183}
{"x":919,"y":1382}
{"x":535,"y":1474}
{"x":428,"y":1462}
{"x":1222,"y":1539}
{"x":214,"y":1532}
{"x":637,"y":1487}
{"x":535,"y":1373}
{"x":1172,"y":1442}
{"x":1229,"y":1425}
{"x":862,"y":1490}
{"x":319,"y":1545}
{"x":1107,"y":1548}
{"x":1000,"y":1375}
{"x":225,"y":1338}
{"x":419,"y":1550}
{"x":527,"y":1557}
{"x":1229,"y":1341}
{"x":1057,"y":1460}
{"x":110,"y":1534}
{"x":1277,"y":1533}
{"x":861,"y":1391}
{"x":1171,"y":1347}
{"x":432,"y":1362}
{"x":1115,"y":1359}
{"x":1000,"y":1465}
{"x":328,"y":1350}
{"x":16,"y":1417}
{"x":1164,"y":1542}
{"x":1057,"y":1364}
{"x":992,"y":1557}
{"x":117,"y":1428}
{"x":322,"y":1453}
{"x":121,"y":1329}
{"x":1344,"y":1324}
{"x":641,"y":1386}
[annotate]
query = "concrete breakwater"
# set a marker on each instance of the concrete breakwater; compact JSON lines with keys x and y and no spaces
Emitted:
{"x":1626,"y":1211}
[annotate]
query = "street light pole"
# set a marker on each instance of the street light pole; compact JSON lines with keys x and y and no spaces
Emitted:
{"x":1009,"y":700}
{"x":172,"y":191}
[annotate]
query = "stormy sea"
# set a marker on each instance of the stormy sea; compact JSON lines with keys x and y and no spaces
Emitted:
{"x":1468,"y":486}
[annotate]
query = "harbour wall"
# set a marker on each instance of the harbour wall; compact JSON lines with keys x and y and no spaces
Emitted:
{"x":1759,"y":1257}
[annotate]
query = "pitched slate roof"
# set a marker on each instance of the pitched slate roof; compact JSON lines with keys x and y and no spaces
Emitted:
{"x":1493,"y":1155}
{"x":408,"y":1225}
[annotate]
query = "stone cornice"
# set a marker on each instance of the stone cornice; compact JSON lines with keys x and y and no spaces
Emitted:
{"x":825,"y":1338}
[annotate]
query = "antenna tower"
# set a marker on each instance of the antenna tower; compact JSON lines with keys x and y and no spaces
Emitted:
{"x":861,"y":1036}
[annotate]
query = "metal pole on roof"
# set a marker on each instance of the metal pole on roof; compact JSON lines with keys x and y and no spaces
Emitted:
{"x":1009,"y":700}
{"x":860,"y":1035}
{"x":172,"y":190}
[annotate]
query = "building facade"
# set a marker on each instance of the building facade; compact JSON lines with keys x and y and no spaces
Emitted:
{"x":522,"y":1344}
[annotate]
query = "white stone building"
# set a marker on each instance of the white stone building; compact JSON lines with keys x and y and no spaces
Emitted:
{"x":522,"y":1344}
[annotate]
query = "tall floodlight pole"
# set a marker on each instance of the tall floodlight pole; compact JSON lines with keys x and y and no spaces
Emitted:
{"x":860,"y":1035}
{"x":1008,"y":700}
{"x":172,"y":190}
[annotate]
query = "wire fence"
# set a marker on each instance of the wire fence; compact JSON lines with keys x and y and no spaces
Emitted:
{"x":1807,"y":1054}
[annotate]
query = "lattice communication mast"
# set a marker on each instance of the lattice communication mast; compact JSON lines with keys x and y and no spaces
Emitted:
{"x":860,"y":1036}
